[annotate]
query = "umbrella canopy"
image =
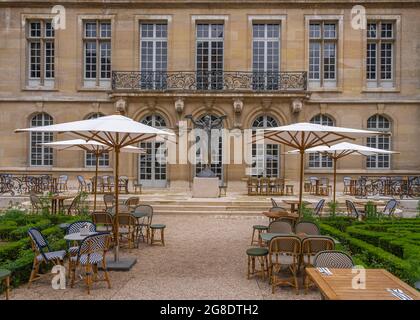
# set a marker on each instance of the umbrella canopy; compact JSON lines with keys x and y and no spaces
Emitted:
{"x":303,"y":136}
{"x":341,"y":150}
{"x":95,"y":147}
{"x":117,"y":132}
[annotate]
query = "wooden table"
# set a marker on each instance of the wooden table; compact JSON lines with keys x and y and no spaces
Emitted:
{"x":338,"y":286}
{"x":375,"y":203}
{"x":273,"y":215}
{"x":294,"y":203}
{"x":58,"y":201}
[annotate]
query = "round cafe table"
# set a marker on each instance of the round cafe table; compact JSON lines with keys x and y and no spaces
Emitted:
{"x":273,"y":215}
{"x":77,"y":236}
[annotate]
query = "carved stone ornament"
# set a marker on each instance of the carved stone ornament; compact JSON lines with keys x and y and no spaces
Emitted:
{"x":297,"y":106}
{"x":179,"y":105}
{"x":121,"y":106}
{"x":238,"y":106}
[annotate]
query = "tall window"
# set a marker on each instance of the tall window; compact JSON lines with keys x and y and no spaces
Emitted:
{"x":209,"y":56}
{"x":97,"y":53}
{"x":380,"y":54}
{"x":40,"y":155}
{"x":265,"y":157}
{"x":379,"y":161}
{"x":40,"y":38}
{"x":154,"y":55}
{"x":323,"y":54}
{"x":315,"y":159}
{"x":90,"y":157}
{"x":265,"y":56}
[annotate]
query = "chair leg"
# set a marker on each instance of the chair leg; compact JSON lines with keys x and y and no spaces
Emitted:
{"x":7,"y":280}
{"x":163,"y":236}
{"x":249,"y":267}
{"x":34,"y":272}
{"x":88,"y":277}
{"x":253,"y":235}
{"x":106,"y":275}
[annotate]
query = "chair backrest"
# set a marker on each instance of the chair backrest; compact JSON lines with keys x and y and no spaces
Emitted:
{"x":38,"y":241}
{"x":147,"y":210}
{"x":74,"y":205}
{"x":333,"y":259}
{"x":274,"y":203}
{"x":109,"y":200}
{"x":279,"y":226}
{"x":105,"y":180}
{"x":35,"y":200}
{"x":290,"y":245}
{"x":97,"y":243}
{"x":319,"y":207}
{"x":347,"y":181}
{"x":102,"y":218}
{"x":126,"y":220}
{"x":63,"y":178}
{"x":81,"y":180}
{"x":390,"y":207}
{"x":132,"y":201}
{"x":312,"y":245}
{"x":307,"y":227}
{"x":351,"y":209}
{"x":325,"y":181}
{"x":313,"y":180}
{"x":122,"y":208}
{"x":76,"y":226}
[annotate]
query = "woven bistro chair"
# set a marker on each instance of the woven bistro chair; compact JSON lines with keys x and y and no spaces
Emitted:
{"x":352,"y":211}
{"x":313,"y":181}
{"x":75,"y":228}
{"x":253,"y":186}
{"x":109,"y":200}
{"x":36,"y":203}
{"x":265,"y":186}
{"x":74,"y":207}
{"x":279,"y":226}
{"x":62,"y":182}
{"x":132,"y":202}
{"x":127,"y":229}
{"x":103,"y":221}
{"x":144,"y":222}
{"x":390,"y":208}
{"x":310,"y":247}
{"x":284,"y":253}
{"x":123,"y":184}
{"x":333,"y":259}
{"x":83,"y":185}
{"x":43,"y":253}
{"x":105,"y":184}
{"x":91,"y":253}
{"x":307,"y":227}
{"x":347,"y":185}
{"x":319,"y":206}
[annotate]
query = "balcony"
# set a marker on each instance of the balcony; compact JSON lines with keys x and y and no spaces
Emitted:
{"x":209,"y":81}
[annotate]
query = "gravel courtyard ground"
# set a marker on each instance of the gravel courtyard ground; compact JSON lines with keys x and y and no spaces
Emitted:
{"x":204,"y":258}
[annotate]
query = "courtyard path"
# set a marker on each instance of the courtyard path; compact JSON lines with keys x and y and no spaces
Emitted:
{"x":204,"y":258}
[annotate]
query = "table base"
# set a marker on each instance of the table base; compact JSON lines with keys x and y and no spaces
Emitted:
{"x":123,"y":264}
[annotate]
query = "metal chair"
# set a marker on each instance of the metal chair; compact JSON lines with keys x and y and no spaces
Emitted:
{"x":83,"y":185}
{"x":109,"y":200}
{"x":347,"y":185}
{"x":333,"y":259}
{"x":390,"y":208}
{"x":307,"y":227}
{"x":284,"y":251}
{"x":74,"y":207}
{"x":132,"y":202}
{"x":319,"y":206}
{"x":127,"y":229}
{"x":75,"y":228}
{"x":103,"y":221}
{"x":352,"y":210}
{"x":43,"y":253}
{"x":62,"y":183}
{"x":91,"y":253}
{"x":314,"y":182}
{"x":145,"y":221}
{"x":279,"y":226}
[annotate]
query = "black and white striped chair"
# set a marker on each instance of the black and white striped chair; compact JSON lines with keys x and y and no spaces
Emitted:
{"x":75,"y":228}
{"x":91,"y":254}
{"x":390,"y":208}
{"x":333,"y":259}
{"x":43,"y":253}
{"x":319,"y":206}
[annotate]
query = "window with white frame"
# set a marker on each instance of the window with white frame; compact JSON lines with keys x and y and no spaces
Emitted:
{"x":382,"y":124}
{"x":380,"y":54}
{"x":97,"y":53}
{"x":265,"y":157}
{"x":153,"y":55}
{"x":209,"y":56}
{"x":265,"y":56}
{"x":323,"y":54}
{"x":41,"y":53}
{"x":315,"y":159}
{"x":90,"y":157}
{"x":39,"y":154}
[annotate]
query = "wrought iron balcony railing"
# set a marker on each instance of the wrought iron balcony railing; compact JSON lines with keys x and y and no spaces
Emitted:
{"x":208,"y":81}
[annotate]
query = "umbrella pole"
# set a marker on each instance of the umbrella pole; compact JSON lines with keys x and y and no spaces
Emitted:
{"x":302,"y":154}
{"x":335,"y":178}
{"x":95,"y":184}
{"x":117,"y":227}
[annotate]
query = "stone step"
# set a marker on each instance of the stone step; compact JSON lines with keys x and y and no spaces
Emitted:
{"x":214,"y":212}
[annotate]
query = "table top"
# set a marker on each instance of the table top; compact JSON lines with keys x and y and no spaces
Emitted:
{"x":77,"y":236}
{"x":280,"y":214}
{"x":338,"y":286}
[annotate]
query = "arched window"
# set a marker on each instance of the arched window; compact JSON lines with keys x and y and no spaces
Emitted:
{"x":40,"y":155}
{"x":90,"y":157}
{"x":265,"y":157}
{"x":152,"y":164}
{"x":315,"y":159}
{"x":216,"y":152}
{"x":379,"y":161}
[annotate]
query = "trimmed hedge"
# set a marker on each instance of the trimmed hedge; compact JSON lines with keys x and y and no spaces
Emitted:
{"x":374,"y":256}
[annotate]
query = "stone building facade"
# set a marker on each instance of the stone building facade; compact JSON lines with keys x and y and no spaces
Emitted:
{"x":261,"y":63}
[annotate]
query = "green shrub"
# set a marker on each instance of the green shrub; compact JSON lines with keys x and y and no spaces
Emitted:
{"x":6,"y":227}
{"x":22,"y":232}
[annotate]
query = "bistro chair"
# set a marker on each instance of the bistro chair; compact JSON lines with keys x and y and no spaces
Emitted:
{"x":123,"y":184}
{"x":284,"y":253}
{"x":347,"y":185}
{"x":145,"y":221}
{"x":91,"y":253}
{"x":390,"y":208}
{"x":127,"y":229}
{"x":253,"y":186}
{"x":105,"y":184}
{"x":265,"y":186}
{"x":36,"y":203}
{"x":314,"y":182}
{"x":5,"y":276}
{"x":324,"y":186}
{"x":307,"y":227}
{"x":122,"y":208}
{"x":83,"y":185}
{"x":75,"y":228}
{"x":333,"y":259}
{"x":74,"y":207}
{"x":259,"y":229}
{"x":274,"y":203}
{"x":109,"y":200}
{"x":62,"y":183}
{"x":279,"y":226}
{"x":319,"y":206}
{"x":132,"y":202}
{"x":99,"y":183}
{"x":260,"y":255}
{"x":310,"y":247}
{"x":352,"y":211}
{"x":43,"y":253}
{"x":103,"y":221}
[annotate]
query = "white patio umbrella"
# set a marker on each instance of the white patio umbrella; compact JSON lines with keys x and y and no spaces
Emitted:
{"x":303,"y":136}
{"x":116,"y":132}
{"x":97,"y":148}
{"x":341,"y":150}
